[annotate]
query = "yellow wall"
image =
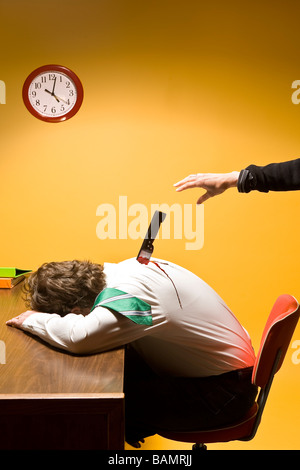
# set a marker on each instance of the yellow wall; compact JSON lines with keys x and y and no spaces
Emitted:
{"x":171,"y":88}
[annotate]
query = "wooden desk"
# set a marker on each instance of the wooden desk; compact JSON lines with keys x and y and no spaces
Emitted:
{"x":53,"y":400}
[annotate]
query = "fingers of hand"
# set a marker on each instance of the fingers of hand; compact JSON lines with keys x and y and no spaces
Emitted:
{"x":18,"y":321}
{"x":13,"y":322}
{"x":190,"y":181}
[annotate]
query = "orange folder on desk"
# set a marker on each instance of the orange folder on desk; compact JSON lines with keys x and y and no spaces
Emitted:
{"x":9,"y":277}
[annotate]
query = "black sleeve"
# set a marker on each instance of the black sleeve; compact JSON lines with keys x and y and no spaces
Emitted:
{"x":283,"y":176}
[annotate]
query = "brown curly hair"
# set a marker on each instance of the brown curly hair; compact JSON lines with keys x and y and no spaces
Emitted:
{"x":58,"y":287}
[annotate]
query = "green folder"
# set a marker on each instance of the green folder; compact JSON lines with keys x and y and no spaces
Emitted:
{"x":13,"y":272}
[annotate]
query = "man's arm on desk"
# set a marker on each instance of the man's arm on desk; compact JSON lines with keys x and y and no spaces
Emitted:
{"x":99,"y":331}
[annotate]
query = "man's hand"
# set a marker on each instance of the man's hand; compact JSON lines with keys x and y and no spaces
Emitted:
{"x":214,"y":183}
{"x":17,"y":322}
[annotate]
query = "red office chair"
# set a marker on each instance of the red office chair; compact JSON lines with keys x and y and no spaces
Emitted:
{"x":275,"y":340}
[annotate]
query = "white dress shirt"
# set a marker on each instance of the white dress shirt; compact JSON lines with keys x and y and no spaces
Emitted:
{"x":193,"y":334}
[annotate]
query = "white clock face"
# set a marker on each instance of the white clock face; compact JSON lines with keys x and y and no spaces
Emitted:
{"x":52,"y":94}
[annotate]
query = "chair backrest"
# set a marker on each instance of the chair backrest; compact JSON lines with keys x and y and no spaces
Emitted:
{"x":276,"y":338}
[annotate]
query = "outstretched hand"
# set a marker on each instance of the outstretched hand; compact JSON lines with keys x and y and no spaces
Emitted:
{"x":214,"y":183}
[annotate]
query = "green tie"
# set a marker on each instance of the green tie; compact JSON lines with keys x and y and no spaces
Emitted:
{"x":131,"y":307}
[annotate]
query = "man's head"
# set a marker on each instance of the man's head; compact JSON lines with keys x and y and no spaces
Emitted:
{"x":63,"y":287}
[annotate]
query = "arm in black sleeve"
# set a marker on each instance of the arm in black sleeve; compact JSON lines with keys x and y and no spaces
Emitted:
{"x":283,"y":176}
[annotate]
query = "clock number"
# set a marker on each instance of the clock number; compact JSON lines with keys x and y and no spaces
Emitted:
{"x":37,"y":102}
{"x":51,"y":76}
{"x":68,"y":84}
{"x":37,"y":86}
{"x":53,"y":110}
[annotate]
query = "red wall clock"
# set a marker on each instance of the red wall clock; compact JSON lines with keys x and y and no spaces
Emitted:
{"x":52,"y":93}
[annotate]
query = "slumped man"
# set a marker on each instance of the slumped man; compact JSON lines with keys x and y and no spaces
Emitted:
{"x":188,"y":361}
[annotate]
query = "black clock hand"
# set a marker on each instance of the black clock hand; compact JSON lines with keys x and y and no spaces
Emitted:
{"x":53,"y":86}
{"x":52,"y":94}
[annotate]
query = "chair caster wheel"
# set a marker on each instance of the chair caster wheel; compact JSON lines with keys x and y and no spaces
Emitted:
{"x":199,"y":447}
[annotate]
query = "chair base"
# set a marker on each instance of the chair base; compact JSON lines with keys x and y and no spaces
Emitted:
{"x":198,"y":447}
